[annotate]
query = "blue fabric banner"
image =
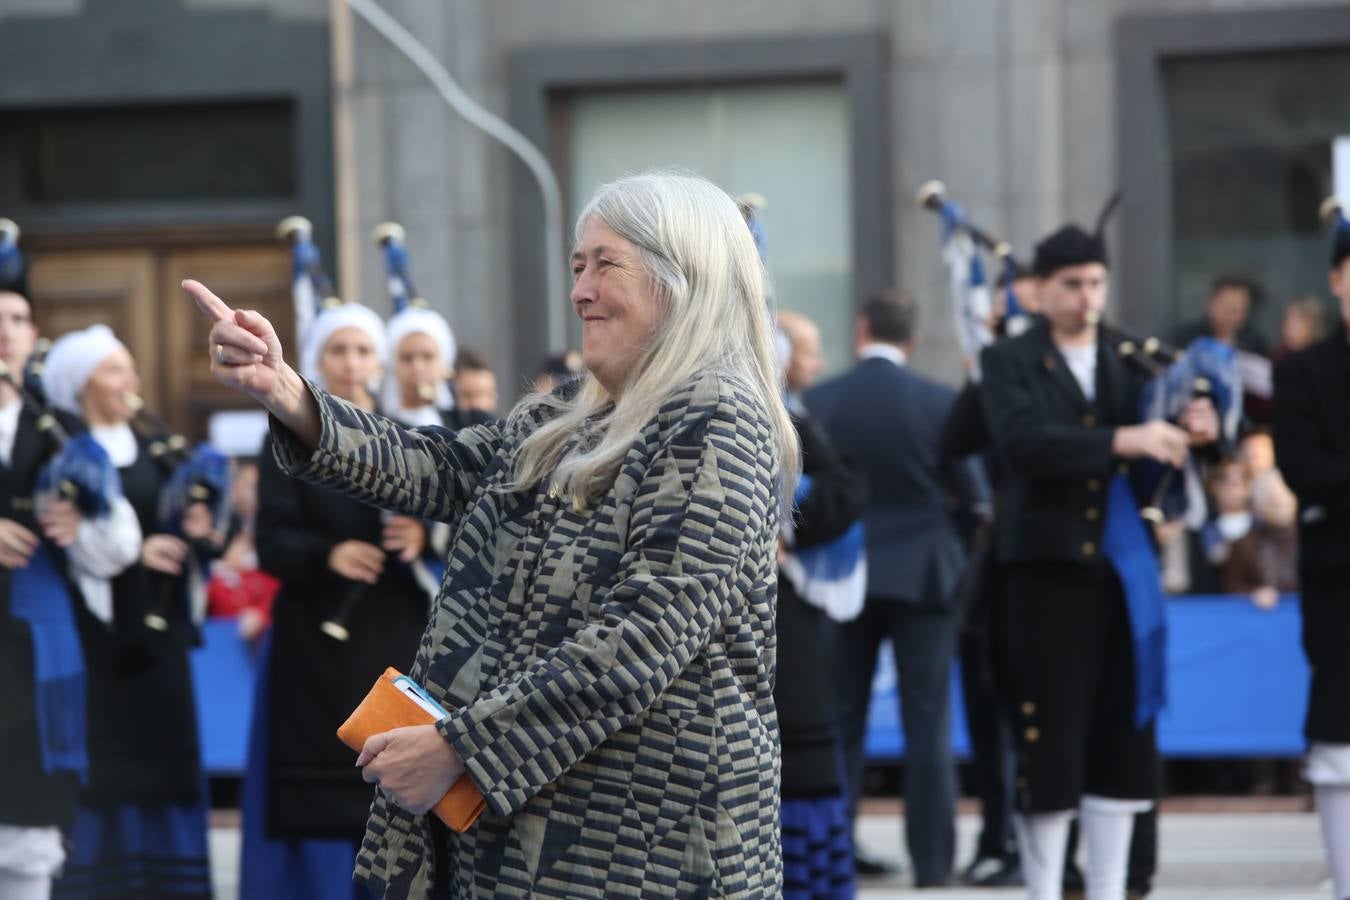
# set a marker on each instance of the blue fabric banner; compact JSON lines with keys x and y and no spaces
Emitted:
{"x":1237,"y":687}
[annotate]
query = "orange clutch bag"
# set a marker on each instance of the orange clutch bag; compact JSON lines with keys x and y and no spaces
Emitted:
{"x":387,"y":707}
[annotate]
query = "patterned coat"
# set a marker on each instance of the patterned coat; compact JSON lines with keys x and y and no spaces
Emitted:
{"x":611,"y":670}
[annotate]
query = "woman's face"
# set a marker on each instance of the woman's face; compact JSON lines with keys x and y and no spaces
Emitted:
{"x":614,"y":297}
{"x":417,"y":362}
{"x":104,"y":398}
{"x":349,"y":364}
{"x":1298,"y":329}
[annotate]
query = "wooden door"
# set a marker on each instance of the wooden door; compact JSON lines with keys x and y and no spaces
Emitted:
{"x":78,"y":288}
{"x":136,"y":291}
{"x":246,"y":278}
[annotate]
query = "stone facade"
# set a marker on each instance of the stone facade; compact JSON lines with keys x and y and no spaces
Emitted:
{"x":1012,"y":102}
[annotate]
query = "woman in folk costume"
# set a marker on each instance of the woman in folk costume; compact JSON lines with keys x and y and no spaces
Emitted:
{"x":348,"y":607}
{"x":46,"y":546}
{"x":423,"y":349}
{"x":141,"y":826}
{"x":421,"y":345}
{"x":821,"y":579}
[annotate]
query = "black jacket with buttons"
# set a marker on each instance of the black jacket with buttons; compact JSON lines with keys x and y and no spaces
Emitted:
{"x":1055,"y":447}
{"x":1312,"y":448}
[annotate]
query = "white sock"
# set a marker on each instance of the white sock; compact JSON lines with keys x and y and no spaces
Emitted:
{"x":1333,"y":808}
{"x":14,"y":886}
{"x":1042,"y":839}
{"x":1106,"y":825}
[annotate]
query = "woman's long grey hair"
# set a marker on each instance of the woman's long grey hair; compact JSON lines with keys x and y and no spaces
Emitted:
{"x":709,"y":283}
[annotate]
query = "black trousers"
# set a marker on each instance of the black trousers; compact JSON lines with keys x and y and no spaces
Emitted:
{"x":1067,"y":658}
{"x":1325,"y":606}
{"x":924,"y":642}
{"x":993,"y":759}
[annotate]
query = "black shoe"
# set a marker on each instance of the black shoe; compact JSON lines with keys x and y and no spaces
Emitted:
{"x":866,"y":864}
{"x":994,"y":871}
{"x":1074,"y":885}
{"x":948,"y":882}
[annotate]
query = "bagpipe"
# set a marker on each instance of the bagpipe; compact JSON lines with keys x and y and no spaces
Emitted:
{"x":78,"y":469}
{"x":194,"y":475}
{"x":1175,"y":376}
{"x":311,"y":292}
{"x":311,"y":288}
{"x":391,"y":239}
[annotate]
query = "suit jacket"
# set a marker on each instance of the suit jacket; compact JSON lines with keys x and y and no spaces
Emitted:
{"x":1055,"y":447}
{"x":889,"y":421}
{"x":611,"y":668}
{"x":1312,"y":450}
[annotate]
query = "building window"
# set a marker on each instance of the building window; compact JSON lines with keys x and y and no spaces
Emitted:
{"x":1250,"y":140}
{"x":787,"y":142}
{"x":153,"y":154}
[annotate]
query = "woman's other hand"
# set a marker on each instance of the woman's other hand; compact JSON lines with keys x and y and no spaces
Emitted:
{"x":61,"y":523}
{"x":413,"y":766}
{"x":164,"y":553}
{"x":405,"y":536}
{"x":357,"y":561}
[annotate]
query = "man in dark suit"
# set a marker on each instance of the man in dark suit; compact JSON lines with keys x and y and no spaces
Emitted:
{"x":889,"y":420}
{"x":1312,"y":449}
{"x":1063,"y":411}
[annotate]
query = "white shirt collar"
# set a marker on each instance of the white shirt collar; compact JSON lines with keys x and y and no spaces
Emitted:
{"x":415,"y":418}
{"x":882,"y":351}
{"x":119,"y":441}
{"x":9,"y":428}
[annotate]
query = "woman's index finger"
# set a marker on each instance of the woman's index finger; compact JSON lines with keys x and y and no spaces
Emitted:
{"x":212,"y":306}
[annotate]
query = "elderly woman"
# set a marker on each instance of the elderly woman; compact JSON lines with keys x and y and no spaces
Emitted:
{"x":605,"y":632}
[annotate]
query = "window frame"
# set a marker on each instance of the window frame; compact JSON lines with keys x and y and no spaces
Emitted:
{"x":1143,"y":44}
{"x":858,"y":61}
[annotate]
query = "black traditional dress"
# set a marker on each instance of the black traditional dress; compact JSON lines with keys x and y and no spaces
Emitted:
{"x":305,"y":805}
{"x":141,"y":827}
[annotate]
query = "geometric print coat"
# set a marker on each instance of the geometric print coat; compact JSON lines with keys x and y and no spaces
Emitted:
{"x":610,"y":670}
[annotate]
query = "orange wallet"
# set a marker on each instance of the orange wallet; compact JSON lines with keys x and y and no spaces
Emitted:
{"x":385,"y":708}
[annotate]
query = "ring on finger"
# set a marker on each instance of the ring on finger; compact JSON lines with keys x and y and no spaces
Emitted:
{"x":220,"y":353}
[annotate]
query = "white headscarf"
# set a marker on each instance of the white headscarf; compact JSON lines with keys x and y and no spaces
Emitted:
{"x":330,"y":321}
{"x":420,"y":320}
{"x":71,"y":363}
